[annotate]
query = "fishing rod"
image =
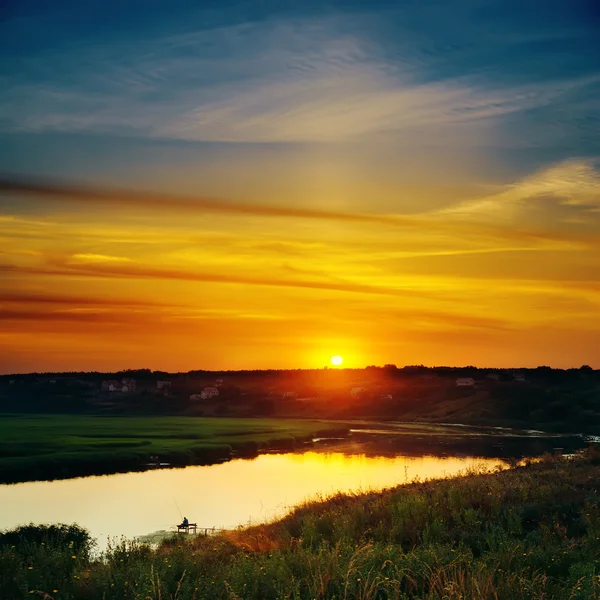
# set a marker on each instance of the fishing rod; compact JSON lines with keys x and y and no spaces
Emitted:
{"x":178,"y":509}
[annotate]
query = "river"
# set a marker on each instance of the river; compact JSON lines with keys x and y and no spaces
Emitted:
{"x":225,"y":495}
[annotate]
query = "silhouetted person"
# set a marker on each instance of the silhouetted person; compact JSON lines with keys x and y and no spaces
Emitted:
{"x":185,"y":522}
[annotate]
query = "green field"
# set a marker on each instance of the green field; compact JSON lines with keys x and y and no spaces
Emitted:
{"x":57,"y":446}
{"x":529,"y":533}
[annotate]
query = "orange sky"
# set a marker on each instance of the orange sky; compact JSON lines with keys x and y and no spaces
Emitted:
{"x":503,"y":278}
{"x":391,"y":182}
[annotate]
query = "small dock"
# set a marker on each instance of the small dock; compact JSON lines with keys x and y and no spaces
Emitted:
{"x":193,"y":528}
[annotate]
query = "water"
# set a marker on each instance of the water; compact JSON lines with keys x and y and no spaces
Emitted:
{"x":225,"y":495}
{"x":242,"y":492}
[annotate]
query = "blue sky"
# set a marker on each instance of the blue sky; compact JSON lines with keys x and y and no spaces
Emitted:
{"x":516,"y":81}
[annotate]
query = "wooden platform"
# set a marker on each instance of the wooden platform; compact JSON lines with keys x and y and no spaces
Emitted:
{"x":189,"y":528}
{"x":193,"y":528}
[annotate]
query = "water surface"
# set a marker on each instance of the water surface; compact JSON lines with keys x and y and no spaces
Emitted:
{"x":226,"y":495}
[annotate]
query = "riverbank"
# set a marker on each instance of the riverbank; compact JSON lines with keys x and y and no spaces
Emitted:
{"x":45,"y":447}
{"x":529,"y":532}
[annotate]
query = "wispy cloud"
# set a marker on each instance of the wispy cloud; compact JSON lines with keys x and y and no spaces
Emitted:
{"x":145,"y":272}
{"x":67,"y":301}
{"x":277,"y":81}
{"x":64,"y":192}
{"x":568,"y":192}
{"x":94,"y":258}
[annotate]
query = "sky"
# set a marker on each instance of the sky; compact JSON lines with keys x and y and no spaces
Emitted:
{"x":247,"y":185}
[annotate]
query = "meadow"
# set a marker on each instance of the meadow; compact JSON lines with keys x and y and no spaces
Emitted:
{"x":532,"y":532}
{"x":60,"y":446}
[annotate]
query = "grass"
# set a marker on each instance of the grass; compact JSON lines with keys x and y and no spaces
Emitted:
{"x":58,"y":446}
{"x":528,"y":533}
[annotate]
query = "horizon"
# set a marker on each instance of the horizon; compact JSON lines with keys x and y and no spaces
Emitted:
{"x":254,"y":186}
{"x":292,"y":369}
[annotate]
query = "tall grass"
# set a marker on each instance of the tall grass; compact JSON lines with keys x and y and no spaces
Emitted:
{"x":529,"y":533}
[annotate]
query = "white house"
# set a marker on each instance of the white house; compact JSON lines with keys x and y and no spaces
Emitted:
{"x":465,"y":382}
{"x":162,"y":384}
{"x":357,"y":391}
{"x":124,"y":386}
{"x":289,"y":395}
{"x":111,"y":385}
{"x":209,"y":392}
{"x":196,"y":397}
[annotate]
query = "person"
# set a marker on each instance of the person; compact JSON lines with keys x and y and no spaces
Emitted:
{"x":185,"y":522}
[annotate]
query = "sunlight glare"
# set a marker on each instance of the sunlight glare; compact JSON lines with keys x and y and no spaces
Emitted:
{"x":336,"y":360}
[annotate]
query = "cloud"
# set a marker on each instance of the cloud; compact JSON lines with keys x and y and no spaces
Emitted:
{"x":434,"y":221}
{"x":362,"y":100}
{"x":565,"y":192}
{"x":64,"y":192}
{"x":282,"y":80}
{"x":70,"y":301}
{"x":97,"y":270}
{"x":94,"y":258}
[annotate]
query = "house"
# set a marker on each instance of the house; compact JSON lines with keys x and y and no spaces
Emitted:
{"x":124,"y":386}
{"x":209,"y":392}
{"x":196,"y":397}
{"x":162,"y":385}
{"x":110,"y":385}
{"x":129,"y":383}
{"x":357,"y":391}
{"x":465,"y":382}
{"x":219,"y":382}
{"x":289,"y":395}
{"x":386,"y":397}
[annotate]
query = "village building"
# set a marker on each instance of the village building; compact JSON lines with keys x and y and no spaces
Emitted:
{"x":209,"y":392}
{"x":465,"y":382}
{"x":129,"y":383}
{"x":125,"y":386}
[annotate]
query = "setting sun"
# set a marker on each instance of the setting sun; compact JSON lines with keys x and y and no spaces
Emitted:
{"x":336,"y":361}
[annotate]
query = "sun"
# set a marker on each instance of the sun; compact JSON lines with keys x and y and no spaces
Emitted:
{"x":336,"y":360}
